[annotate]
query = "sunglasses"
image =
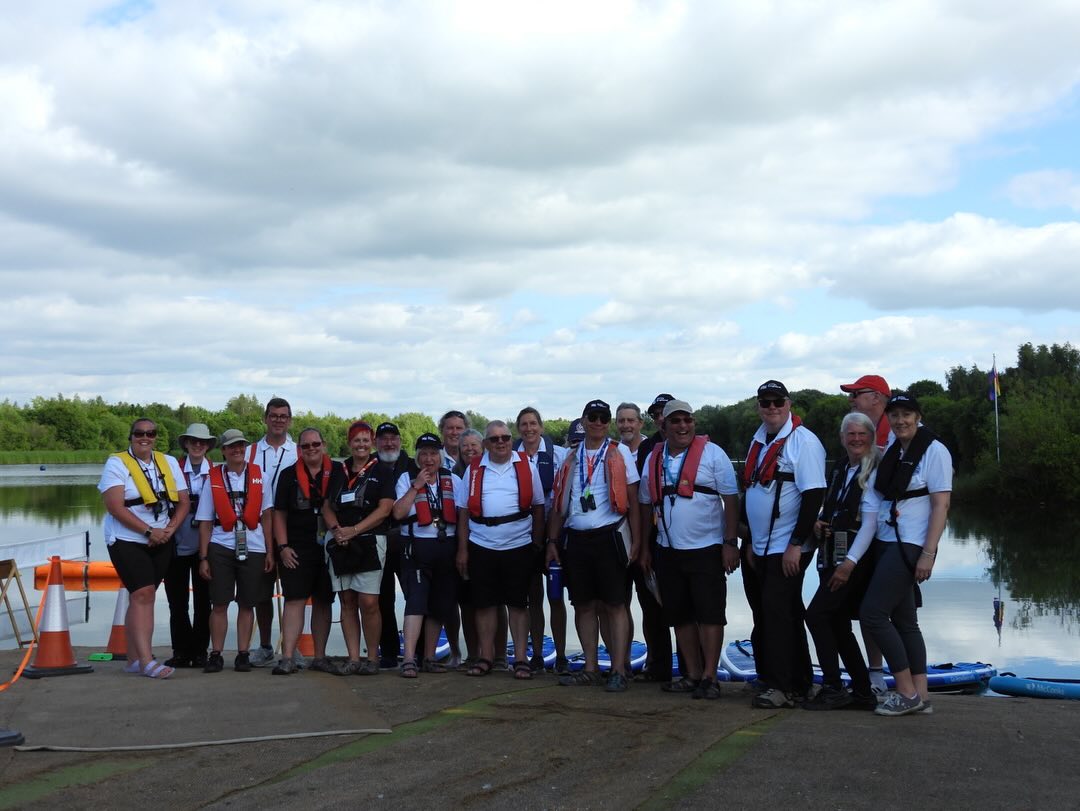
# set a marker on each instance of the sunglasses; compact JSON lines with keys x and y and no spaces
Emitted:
{"x":680,"y":420}
{"x":151,"y":434}
{"x":766,"y":402}
{"x":855,"y":394}
{"x":310,"y":446}
{"x":499,"y":438}
{"x":599,"y":416}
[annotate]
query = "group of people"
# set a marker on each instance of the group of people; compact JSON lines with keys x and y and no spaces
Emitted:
{"x":469,"y":526}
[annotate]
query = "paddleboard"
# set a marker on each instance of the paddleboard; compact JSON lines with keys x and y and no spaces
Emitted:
{"x":547,"y":651}
{"x":442,"y":647}
{"x":1035,"y":688}
{"x":738,"y":658}
{"x":638,"y":654}
{"x":722,"y":673}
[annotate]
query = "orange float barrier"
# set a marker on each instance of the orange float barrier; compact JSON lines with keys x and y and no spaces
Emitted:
{"x":55,"y":656}
{"x":81,"y":575}
{"x":118,"y":635}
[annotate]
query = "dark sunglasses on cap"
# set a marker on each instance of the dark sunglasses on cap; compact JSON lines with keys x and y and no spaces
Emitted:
{"x":598,"y":416}
{"x":151,"y":434}
{"x":774,"y":402}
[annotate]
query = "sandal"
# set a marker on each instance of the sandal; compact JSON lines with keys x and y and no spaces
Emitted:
{"x":431,"y":666}
{"x":408,"y":669}
{"x":154,"y":670}
{"x":133,"y":667}
{"x":582,"y":678}
{"x":683,"y":685}
{"x":522,"y":671}
{"x":481,"y":668}
{"x":368,"y":667}
{"x":707,"y":689}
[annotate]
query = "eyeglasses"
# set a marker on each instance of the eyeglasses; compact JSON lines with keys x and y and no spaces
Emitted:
{"x":279,"y":417}
{"x":151,"y":434}
{"x":499,"y":438}
{"x":310,"y":446}
{"x":599,"y":416}
{"x":766,"y":402}
{"x":855,"y":394}
{"x":680,"y":420}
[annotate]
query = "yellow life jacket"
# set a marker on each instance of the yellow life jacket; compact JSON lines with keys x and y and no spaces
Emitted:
{"x":142,"y":483}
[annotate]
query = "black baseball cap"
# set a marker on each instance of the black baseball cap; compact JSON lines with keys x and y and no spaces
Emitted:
{"x":658,"y":403}
{"x":387,"y":428}
{"x":772,"y":388}
{"x":428,"y":441}
{"x":594,"y":406}
{"x":903,"y":400}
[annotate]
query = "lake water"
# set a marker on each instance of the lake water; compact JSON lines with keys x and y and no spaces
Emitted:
{"x":1030,"y":562}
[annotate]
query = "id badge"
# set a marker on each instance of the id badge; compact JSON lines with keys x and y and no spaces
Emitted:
{"x":348,"y":498}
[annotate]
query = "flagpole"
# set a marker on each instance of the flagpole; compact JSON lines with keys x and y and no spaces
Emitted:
{"x":997,"y":422}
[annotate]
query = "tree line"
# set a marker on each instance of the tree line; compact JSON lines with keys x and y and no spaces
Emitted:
{"x":1039,"y":427}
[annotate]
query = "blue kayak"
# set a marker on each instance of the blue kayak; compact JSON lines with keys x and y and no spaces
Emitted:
{"x":738,"y":658}
{"x":548,"y":651}
{"x":1036,"y":688}
{"x":638,"y":654}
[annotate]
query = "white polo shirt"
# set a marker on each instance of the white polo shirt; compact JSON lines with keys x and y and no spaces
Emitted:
{"x":803,"y":455}
{"x":500,"y":497}
{"x":696,"y":522}
{"x":116,"y":474}
{"x":934,"y":472}
{"x":186,"y":535}
{"x":413,"y":529}
{"x":603,"y":515}
{"x":272,"y":460}
{"x":256,"y":542}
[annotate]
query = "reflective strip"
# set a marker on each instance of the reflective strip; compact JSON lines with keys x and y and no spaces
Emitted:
{"x":55,"y":617}
{"x":119,"y":616}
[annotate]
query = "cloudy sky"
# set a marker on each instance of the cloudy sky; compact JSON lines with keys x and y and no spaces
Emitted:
{"x":400,"y":206}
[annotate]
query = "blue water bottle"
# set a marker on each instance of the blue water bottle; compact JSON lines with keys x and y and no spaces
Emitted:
{"x":555,"y":584}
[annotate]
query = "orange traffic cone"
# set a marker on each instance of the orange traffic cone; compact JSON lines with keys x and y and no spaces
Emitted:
{"x":55,"y":656}
{"x":118,"y":635}
{"x":306,"y":644}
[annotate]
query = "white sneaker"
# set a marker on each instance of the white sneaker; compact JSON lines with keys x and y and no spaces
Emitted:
{"x":261,"y":657}
{"x":877,"y":683}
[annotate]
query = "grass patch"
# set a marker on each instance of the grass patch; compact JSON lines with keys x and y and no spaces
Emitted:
{"x":53,"y":457}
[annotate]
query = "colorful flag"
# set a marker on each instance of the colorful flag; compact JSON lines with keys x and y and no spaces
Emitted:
{"x":994,"y":385}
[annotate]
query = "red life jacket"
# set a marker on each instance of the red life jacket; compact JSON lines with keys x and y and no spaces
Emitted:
{"x":303,"y":478}
{"x":767,"y":471}
{"x":686,"y":485}
{"x":252,"y":500}
{"x":476,"y":484}
{"x":422,"y":504}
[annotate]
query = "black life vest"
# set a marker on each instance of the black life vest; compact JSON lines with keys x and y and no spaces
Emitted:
{"x":545,"y":462}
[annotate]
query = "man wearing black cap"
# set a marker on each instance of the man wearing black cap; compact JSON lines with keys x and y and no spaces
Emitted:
{"x":595,"y":488}
{"x":784,"y":479}
{"x":388,"y":445}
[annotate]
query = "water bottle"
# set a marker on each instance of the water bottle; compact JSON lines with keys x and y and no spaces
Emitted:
{"x":555,"y":584}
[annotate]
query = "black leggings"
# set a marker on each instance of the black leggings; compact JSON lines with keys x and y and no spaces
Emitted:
{"x":888,"y":611}
{"x":190,"y":637}
{"x":779,"y":638}
{"x":829,"y":619}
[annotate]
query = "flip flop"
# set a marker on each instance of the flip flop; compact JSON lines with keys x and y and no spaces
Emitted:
{"x":155,"y":670}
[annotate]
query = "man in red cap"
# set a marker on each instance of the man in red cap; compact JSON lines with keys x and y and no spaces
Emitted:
{"x":868,"y":396}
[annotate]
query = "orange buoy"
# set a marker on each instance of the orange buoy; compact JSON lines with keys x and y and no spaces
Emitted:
{"x":55,"y":656}
{"x":80,"y":575}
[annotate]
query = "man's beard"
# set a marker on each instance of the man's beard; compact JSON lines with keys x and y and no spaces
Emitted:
{"x":390,"y":457}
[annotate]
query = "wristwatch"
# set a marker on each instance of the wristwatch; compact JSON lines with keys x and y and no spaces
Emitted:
{"x":147,"y":532}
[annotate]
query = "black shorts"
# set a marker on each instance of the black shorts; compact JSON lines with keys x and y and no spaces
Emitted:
{"x":500,"y":576}
{"x":310,"y":578}
{"x":139,"y":565}
{"x":240,"y":580}
{"x":429,"y":577}
{"x":693,"y":585}
{"x":594,"y":565}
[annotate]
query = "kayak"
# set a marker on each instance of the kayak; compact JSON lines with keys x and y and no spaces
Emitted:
{"x":1011,"y":685}
{"x":738,"y":658}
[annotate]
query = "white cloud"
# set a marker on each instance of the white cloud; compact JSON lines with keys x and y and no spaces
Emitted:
{"x":1045,"y":189}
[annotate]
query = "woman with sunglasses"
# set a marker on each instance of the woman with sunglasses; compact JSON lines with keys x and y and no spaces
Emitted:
{"x":146,"y":500}
{"x":298,"y":519}
{"x":357,"y":515}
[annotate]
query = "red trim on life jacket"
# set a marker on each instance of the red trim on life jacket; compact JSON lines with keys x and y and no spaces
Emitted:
{"x":422,"y":505}
{"x":252,"y":500}
{"x":687,"y":474}
{"x":523,"y":471}
{"x":768,"y":464}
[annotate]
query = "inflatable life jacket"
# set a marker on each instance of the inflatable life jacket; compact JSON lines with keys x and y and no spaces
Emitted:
{"x":545,"y":462}
{"x":303,"y":484}
{"x":614,"y":471}
{"x":686,"y":486}
{"x":764,"y":473}
{"x":446,"y":491}
{"x":523,"y":472}
{"x":252,"y":494}
{"x":147,"y":496}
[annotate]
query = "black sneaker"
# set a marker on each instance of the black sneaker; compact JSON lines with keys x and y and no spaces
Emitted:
{"x":242,"y":662}
{"x":178,"y":661}
{"x":214,"y":663}
{"x":198,"y":660}
{"x":829,"y":698}
{"x":863,"y":702}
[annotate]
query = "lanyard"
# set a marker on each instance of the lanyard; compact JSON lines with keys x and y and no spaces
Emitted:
{"x":841,"y":497}
{"x":277,"y":467}
{"x":146,"y":472}
{"x":350,"y":481}
{"x":228,"y":485}
{"x":597,"y":461}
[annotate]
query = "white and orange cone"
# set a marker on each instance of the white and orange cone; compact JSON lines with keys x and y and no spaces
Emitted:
{"x":306,"y":643}
{"x":55,"y":656}
{"x":118,"y":635}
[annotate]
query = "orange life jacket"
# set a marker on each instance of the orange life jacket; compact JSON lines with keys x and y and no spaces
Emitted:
{"x":253,"y":496}
{"x":524,"y":482}
{"x":614,"y":471}
{"x":422,"y":504}
{"x":686,"y":486}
